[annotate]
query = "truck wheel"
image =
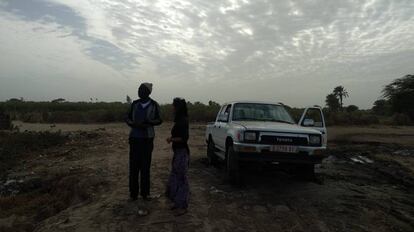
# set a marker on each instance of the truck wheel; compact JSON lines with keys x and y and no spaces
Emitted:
{"x":232,"y":164}
{"x":211,"y":156}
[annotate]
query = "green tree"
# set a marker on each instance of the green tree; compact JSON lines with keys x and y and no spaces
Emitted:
{"x":381,"y":107}
{"x":58,"y":100}
{"x":400,"y":94}
{"x":15,"y":100}
{"x":213,"y":104}
{"x":332,"y":102}
{"x":351,"y":108}
{"x":341,"y":93}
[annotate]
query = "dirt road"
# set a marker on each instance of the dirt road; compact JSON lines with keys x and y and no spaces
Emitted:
{"x":368,"y":185}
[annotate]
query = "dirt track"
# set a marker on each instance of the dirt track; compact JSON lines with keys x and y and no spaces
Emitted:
{"x":368,"y":185}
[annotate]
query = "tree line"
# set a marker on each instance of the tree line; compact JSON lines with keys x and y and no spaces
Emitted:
{"x":61,"y":111}
{"x":396,"y":106}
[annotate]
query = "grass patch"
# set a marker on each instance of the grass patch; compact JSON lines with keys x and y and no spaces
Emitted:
{"x":14,"y":146}
{"x":51,"y":195}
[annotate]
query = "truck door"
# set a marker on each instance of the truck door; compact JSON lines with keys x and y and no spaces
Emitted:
{"x":221,"y":135}
{"x":216,"y":125}
{"x":313,"y":117}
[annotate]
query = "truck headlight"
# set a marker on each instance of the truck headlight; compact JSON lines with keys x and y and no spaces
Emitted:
{"x":314,"y":140}
{"x":250,"y":136}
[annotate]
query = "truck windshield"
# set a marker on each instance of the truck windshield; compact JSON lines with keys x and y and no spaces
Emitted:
{"x":261,"y":112}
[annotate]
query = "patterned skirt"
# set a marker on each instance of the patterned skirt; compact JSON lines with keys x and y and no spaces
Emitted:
{"x":178,"y":189}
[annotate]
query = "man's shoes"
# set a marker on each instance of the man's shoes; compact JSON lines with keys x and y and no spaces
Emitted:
{"x":133,"y":198}
{"x":173,"y":207}
{"x":147,"y":198}
{"x":179,"y":212}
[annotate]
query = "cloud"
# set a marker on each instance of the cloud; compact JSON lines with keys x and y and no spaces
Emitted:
{"x":277,"y":43}
{"x":64,"y":16}
{"x":46,"y":61}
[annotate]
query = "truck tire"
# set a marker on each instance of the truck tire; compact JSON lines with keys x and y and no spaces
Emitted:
{"x":232,"y":166}
{"x":211,"y":156}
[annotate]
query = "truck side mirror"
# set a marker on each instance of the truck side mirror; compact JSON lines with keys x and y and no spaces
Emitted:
{"x":308,"y":122}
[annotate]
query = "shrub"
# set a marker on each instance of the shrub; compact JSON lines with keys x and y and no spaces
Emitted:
{"x":351,"y":108}
{"x":367,"y":120}
{"x":5,"y":122}
{"x":15,"y":144}
{"x":351,"y":118}
{"x":400,"y":94}
{"x":400,"y":119}
{"x":82,"y":112}
{"x":382,"y":107}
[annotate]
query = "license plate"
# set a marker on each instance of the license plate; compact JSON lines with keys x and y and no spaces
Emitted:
{"x":284,"y":148}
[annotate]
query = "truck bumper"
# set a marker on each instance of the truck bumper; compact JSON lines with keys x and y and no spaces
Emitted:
{"x":262,"y":153}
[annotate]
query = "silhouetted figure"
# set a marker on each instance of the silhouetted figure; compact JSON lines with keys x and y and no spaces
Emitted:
{"x":142,"y":117}
{"x":178,"y":189}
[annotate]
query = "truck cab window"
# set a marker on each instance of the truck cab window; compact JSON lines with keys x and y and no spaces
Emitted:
{"x":313,"y":118}
{"x":225,"y":114}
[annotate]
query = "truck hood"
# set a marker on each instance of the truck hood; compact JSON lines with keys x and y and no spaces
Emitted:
{"x":276,"y":127}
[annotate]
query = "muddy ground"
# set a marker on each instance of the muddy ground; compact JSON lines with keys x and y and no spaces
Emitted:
{"x":366,"y":184}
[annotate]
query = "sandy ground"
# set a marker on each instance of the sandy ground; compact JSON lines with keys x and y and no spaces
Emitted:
{"x":366,"y":184}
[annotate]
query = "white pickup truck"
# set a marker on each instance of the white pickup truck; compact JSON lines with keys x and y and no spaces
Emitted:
{"x":266,"y":132}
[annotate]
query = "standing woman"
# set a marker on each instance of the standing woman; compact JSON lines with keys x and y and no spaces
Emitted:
{"x":178,"y":189}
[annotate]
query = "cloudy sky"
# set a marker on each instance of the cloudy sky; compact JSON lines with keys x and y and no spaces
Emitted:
{"x":290,"y":51}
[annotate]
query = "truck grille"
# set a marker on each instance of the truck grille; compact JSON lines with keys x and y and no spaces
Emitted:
{"x":281,"y":140}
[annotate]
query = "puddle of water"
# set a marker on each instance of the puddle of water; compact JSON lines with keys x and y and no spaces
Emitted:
{"x":362,"y":160}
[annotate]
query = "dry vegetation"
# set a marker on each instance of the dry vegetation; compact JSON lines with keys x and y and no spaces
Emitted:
{"x":79,"y":183}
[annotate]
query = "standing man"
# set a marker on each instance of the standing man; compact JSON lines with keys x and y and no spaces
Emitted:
{"x":142,"y":117}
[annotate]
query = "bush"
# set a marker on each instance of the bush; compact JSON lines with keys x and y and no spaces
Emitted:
{"x":351,"y":108}
{"x":65,"y":112}
{"x":351,"y":118}
{"x":400,"y":95}
{"x":100,"y":112}
{"x":5,"y":122}
{"x":367,"y":120}
{"x":400,"y":119}
{"x":33,"y":117}
{"x":15,"y":144}
{"x":382,"y":107}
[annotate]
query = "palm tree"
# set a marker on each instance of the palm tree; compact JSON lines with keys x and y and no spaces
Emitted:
{"x":341,"y":93}
{"x":332,"y":102}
